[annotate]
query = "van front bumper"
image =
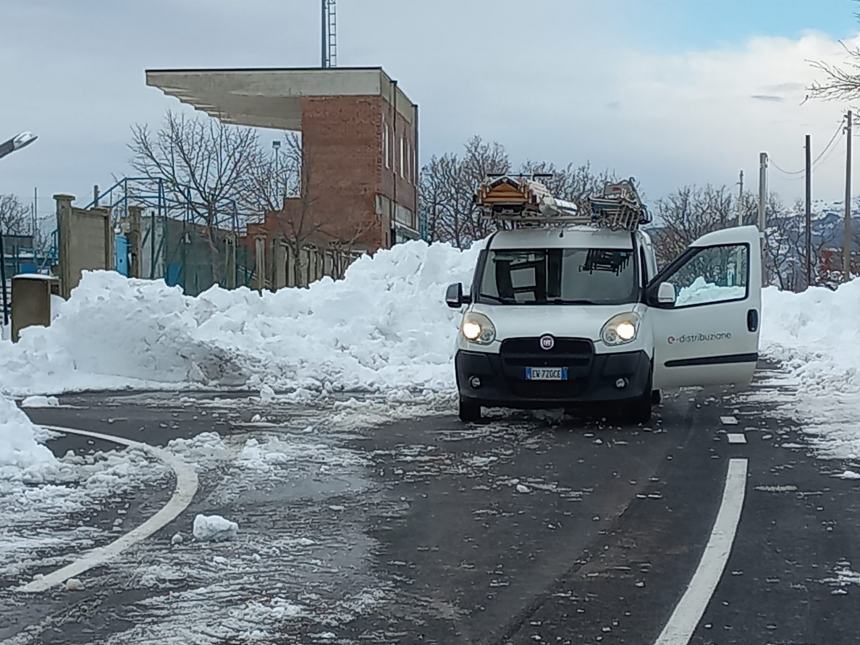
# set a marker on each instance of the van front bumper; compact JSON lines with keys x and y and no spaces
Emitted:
{"x":500,"y":385}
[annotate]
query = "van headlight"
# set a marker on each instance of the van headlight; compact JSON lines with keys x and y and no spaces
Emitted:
{"x":477,"y":328}
{"x":620,"y":329}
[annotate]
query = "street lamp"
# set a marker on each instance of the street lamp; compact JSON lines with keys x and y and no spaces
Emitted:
{"x":6,"y":148}
{"x":16,"y":143}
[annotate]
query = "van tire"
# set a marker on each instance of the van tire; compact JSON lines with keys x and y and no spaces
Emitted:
{"x":469,"y":411}
{"x":639,"y":410}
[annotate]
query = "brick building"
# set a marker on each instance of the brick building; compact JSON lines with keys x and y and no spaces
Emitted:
{"x":359,"y":154}
{"x":359,"y":135}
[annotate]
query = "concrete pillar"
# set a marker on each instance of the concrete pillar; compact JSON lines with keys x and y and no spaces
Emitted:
{"x":86,"y":241}
{"x":279,"y":265}
{"x":135,"y":241}
{"x":260,"y":263}
{"x":230,"y":261}
{"x":31,"y":301}
{"x":64,"y":224}
{"x":109,"y":237}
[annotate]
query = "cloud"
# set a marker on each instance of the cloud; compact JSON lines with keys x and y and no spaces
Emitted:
{"x":586,"y":87}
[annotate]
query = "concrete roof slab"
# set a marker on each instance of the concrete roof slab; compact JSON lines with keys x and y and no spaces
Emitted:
{"x":271,"y":98}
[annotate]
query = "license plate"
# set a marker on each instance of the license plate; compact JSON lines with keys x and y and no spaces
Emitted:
{"x":546,"y":374}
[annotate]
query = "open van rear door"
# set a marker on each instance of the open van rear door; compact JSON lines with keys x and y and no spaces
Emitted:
{"x":706,"y":311}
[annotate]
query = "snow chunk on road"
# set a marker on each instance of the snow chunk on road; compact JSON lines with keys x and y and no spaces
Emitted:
{"x":214,"y":528}
{"x":39,"y":401}
{"x":848,"y":474}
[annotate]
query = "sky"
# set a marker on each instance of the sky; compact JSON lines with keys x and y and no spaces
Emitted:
{"x":673,"y":92}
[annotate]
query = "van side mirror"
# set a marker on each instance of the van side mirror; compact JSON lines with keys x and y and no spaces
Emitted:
{"x":666,"y":293}
{"x":454,"y":297}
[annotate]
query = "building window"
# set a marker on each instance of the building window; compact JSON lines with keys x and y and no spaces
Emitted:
{"x":402,"y":157}
{"x":386,"y":143}
{"x":410,"y":169}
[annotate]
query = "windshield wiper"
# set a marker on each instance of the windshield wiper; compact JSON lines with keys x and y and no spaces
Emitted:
{"x":562,"y":301}
{"x":504,"y":301}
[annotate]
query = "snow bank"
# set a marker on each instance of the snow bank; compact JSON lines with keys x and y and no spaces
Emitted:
{"x":20,"y":455}
{"x":214,"y":528}
{"x":385,"y":326}
{"x":814,"y":335}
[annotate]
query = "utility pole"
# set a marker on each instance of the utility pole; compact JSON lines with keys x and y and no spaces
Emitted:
{"x":846,"y":237}
{"x":324,"y":35}
{"x":762,"y":191}
{"x":808,"y":222}
{"x":740,"y":198}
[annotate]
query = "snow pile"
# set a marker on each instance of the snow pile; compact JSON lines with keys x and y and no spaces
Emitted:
{"x":385,"y":326}
{"x":214,"y":528}
{"x":814,"y":336}
{"x":20,"y":455}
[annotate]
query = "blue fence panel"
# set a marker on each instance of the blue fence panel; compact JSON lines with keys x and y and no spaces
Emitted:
{"x":121,"y":246}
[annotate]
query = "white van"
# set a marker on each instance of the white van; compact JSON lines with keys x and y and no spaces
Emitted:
{"x":558,"y":317}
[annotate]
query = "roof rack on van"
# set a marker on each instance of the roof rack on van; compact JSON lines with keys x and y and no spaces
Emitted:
{"x":522,"y":201}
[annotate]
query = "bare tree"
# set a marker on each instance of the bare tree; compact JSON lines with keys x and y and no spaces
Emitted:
{"x":572,"y":183}
{"x":202,"y":161}
{"x":15,"y":216}
{"x":448,"y":184}
{"x":784,"y":249}
{"x":272,"y":178}
{"x":687,"y":214}
{"x":481,"y":158}
{"x":841,"y":81}
{"x":433,"y":198}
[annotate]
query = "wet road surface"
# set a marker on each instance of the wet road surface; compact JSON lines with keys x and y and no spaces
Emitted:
{"x":424,"y":530}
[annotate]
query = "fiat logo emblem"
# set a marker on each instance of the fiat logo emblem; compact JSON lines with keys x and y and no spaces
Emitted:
{"x":547,"y":342}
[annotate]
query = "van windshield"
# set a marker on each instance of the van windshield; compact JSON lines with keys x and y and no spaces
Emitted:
{"x":559,"y":276}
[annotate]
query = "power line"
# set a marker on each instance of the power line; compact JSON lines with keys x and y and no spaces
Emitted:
{"x":820,"y":156}
{"x":786,"y":172}
{"x":829,"y":144}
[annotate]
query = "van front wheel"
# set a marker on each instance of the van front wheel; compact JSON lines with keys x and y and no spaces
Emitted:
{"x":469,"y":412}
{"x":639,"y":410}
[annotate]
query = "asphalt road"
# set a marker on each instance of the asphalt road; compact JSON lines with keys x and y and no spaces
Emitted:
{"x":423,"y":530}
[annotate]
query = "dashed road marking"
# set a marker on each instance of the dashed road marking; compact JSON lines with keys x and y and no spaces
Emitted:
{"x":690,"y":609}
{"x":736,"y":437}
{"x":186,"y":487}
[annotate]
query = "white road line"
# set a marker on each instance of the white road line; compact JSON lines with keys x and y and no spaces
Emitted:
{"x":690,"y":609}
{"x":186,"y":487}
{"x":736,"y":437}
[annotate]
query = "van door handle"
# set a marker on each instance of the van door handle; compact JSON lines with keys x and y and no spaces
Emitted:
{"x":752,"y":320}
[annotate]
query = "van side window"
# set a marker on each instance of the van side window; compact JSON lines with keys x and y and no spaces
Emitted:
{"x":712,"y":274}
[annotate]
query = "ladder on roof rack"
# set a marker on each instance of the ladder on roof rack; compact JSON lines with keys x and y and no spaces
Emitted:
{"x":523,"y":201}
